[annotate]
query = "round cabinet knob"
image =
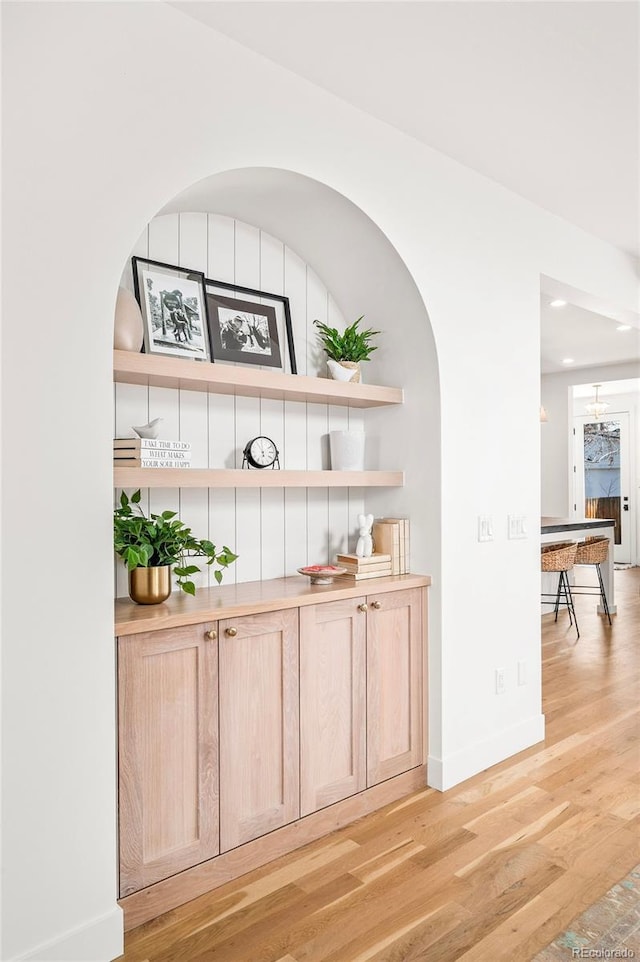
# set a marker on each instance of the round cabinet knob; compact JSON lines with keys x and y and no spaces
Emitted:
{"x":211,"y":635}
{"x":231,"y":632}
{"x":376,"y":604}
{"x":363,"y":607}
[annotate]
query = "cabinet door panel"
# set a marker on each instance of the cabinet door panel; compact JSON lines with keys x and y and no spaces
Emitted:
{"x":395,"y":687}
{"x":259,"y":719}
{"x":332,"y":703}
{"x":168,"y":771}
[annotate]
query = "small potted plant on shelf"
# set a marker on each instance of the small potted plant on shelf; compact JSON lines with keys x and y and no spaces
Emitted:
{"x":346,"y":350}
{"x":151,"y":546}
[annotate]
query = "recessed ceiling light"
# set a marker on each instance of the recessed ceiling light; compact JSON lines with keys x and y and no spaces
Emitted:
{"x":558,"y":303}
{"x":623,"y":327}
{"x":567,"y":360}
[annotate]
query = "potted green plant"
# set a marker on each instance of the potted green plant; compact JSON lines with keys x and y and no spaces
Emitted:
{"x":151,"y":546}
{"x":345,"y":351}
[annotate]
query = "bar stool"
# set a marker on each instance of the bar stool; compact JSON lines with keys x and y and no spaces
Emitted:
{"x":594,"y":551}
{"x":560,"y":558}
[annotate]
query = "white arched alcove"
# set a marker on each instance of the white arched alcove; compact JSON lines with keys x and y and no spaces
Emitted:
{"x":111,"y":109}
{"x":279,"y":231}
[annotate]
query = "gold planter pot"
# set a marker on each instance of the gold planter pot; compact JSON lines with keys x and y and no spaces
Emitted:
{"x":150,"y":586}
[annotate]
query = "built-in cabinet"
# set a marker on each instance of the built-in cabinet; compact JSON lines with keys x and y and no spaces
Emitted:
{"x":395,"y":692}
{"x":361,"y":694}
{"x":168,"y":752}
{"x":259,"y":716}
{"x":252,"y":722}
{"x":332,"y":702}
{"x":259,"y":725}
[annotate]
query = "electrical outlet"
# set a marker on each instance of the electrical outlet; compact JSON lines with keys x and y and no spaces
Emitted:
{"x":522,"y":673}
{"x":485,"y":527}
{"x":501,"y":685}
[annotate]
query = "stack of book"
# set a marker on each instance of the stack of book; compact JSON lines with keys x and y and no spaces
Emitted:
{"x":391,"y":536}
{"x":359,"y":569}
{"x":151,"y":453}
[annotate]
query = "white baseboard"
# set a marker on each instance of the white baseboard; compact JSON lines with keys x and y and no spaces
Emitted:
{"x":444,"y":773}
{"x":100,"y":940}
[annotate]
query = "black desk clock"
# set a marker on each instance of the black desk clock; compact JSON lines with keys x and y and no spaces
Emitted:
{"x":260,"y":452}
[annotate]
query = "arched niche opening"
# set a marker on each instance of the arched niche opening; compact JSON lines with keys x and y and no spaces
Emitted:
{"x":363,"y":274}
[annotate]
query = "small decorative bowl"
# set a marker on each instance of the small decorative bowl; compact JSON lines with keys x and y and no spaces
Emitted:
{"x":322,"y":574}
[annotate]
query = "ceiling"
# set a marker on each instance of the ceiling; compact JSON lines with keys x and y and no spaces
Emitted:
{"x":588,"y":338}
{"x":608,"y":388}
{"x":541,"y":97}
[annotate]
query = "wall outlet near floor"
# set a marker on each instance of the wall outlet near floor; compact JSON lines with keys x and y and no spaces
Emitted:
{"x":522,"y":673}
{"x":516,"y":526}
{"x":501,"y":685}
{"x":485,"y":527}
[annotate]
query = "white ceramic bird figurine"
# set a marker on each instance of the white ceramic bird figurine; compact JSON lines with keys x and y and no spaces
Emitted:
{"x":150,"y":430}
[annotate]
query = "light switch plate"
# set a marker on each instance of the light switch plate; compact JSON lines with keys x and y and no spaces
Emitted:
{"x":485,"y":527}
{"x":516,"y":526}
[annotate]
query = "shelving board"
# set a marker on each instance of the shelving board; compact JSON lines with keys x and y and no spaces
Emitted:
{"x":230,"y":600}
{"x":158,"y":371}
{"x":238,"y":478}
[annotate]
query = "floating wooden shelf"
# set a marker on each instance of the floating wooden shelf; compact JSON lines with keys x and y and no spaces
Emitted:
{"x":237,"y":478}
{"x":153,"y":369}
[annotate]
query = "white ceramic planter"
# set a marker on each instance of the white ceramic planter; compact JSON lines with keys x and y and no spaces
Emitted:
{"x":344,"y":370}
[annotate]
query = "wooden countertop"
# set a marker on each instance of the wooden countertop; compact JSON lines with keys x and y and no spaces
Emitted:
{"x":549,"y":525}
{"x":249,"y":597}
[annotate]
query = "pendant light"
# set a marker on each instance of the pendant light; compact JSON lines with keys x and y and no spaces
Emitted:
{"x":596,"y":408}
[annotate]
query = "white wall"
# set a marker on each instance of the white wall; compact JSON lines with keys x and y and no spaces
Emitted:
{"x":109,"y":111}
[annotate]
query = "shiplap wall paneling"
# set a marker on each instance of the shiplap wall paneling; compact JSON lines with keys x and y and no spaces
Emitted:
{"x":248,"y":542}
{"x":193,"y":241}
{"x":222,"y":409}
{"x":295,"y":417}
{"x":247,"y":499}
{"x":164,"y":245}
{"x":295,"y":287}
{"x":317,"y":432}
{"x":272,"y":524}
{"x":273,"y":531}
{"x":337,"y":420}
{"x":193,"y":410}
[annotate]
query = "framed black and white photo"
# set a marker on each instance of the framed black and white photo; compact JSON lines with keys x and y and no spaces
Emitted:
{"x":174,"y":309}
{"x":247,"y":326}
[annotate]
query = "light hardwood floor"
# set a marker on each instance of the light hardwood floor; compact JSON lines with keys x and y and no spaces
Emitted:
{"x":491,"y":870}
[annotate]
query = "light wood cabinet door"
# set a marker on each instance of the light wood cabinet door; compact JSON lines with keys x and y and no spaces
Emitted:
{"x":168,"y":766}
{"x":259,"y":725}
{"x":332,"y":702}
{"x":395,"y":683}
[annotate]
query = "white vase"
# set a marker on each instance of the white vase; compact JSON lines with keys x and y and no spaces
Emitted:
{"x":344,"y":370}
{"x":347,"y":450}
{"x":128,"y":330}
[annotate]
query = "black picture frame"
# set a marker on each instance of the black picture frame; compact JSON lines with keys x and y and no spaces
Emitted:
{"x":256,"y":340}
{"x":173,"y":303}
